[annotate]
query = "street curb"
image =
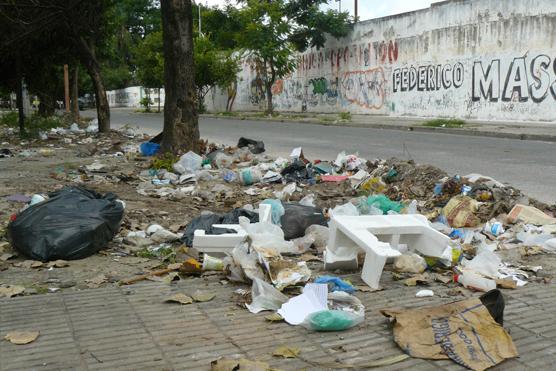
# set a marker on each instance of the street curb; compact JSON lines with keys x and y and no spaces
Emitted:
{"x":416,"y":128}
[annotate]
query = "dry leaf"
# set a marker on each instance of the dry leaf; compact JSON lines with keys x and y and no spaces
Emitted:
{"x":6,"y":256}
{"x":286,"y":352}
{"x":95,"y":282}
{"x":203,"y":296}
{"x":11,"y":290}
{"x":172,"y":276}
{"x":442,"y":278}
{"x":58,"y":264}
{"x":506,"y":283}
{"x":21,"y":337}
{"x":274,"y":317}
{"x":180,"y":298}
{"x":365,"y":288}
{"x":422,"y":279}
{"x":29,"y":264}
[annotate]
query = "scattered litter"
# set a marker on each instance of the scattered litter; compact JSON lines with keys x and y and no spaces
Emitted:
{"x":424,"y":293}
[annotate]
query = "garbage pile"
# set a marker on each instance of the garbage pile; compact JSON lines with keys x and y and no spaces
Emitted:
{"x":290,"y":226}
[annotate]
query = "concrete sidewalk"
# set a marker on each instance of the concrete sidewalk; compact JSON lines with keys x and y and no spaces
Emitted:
{"x":542,"y":131}
{"x":133,"y":328}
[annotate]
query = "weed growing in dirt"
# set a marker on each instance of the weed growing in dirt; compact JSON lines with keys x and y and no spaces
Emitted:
{"x":445,"y":123}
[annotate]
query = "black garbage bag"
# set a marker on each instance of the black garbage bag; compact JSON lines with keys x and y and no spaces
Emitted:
{"x":494,"y":302}
{"x":297,"y":218}
{"x":255,"y":146}
{"x":206,"y":223}
{"x":72,"y":224}
{"x":297,"y":171}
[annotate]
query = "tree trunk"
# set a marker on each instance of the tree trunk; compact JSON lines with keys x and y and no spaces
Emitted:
{"x":181,"y":126}
{"x":87,"y":56}
{"x":158,"y":99}
{"x":269,"y":105}
{"x":47,"y":106}
{"x":75,"y":92}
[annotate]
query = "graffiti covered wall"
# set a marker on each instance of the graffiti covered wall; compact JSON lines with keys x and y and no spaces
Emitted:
{"x":478,"y":59}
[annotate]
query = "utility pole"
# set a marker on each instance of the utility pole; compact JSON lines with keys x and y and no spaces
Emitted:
{"x":339,"y":5}
{"x":200,"y":32}
{"x":66,"y":88}
{"x":356,"y":6}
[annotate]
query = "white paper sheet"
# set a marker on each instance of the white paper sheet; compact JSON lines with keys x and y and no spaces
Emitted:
{"x":313,"y":299}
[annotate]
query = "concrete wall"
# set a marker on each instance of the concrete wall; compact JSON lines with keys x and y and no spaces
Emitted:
{"x":131,"y":96}
{"x":478,"y":59}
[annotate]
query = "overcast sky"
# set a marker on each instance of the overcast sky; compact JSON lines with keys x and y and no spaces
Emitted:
{"x":367,"y":8}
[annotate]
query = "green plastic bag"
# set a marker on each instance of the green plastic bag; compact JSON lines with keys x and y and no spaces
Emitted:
{"x":384,"y":203}
{"x":330,"y":320}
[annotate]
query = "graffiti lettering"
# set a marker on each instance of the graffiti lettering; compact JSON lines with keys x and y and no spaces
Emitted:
{"x":520,"y":83}
{"x":427,"y":78}
{"x":364,"y":88}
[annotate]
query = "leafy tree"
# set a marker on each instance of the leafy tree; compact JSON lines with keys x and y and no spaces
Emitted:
{"x":213,"y":67}
{"x":149,"y":60}
{"x":275,"y":30}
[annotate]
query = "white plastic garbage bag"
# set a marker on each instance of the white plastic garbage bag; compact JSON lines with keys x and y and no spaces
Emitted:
{"x":265,"y":297}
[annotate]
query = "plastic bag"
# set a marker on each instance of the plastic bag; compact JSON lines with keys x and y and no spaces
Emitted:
{"x":265,"y":297}
{"x":206,"y":222}
{"x":345,"y":312}
{"x":320,"y":235}
{"x":255,"y":146}
{"x":268,"y":236}
{"x":336,"y":284}
{"x":410,"y":263}
{"x":222,"y":160}
{"x":243,"y":265}
{"x":149,"y":148}
{"x":384,"y":203}
{"x":277,"y":210}
{"x":348,"y":209}
{"x":308,"y":200}
{"x":72,"y":224}
{"x":297,"y":218}
{"x":460,"y":212}
{"x":188,"y":163}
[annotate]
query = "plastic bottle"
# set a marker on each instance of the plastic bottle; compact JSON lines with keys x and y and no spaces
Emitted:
{"x":474,"y":281}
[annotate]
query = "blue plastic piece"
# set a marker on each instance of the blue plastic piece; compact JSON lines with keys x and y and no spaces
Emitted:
{"x":277,"y":210}
{"x":149,"y":148}
{"x":336,"y":284}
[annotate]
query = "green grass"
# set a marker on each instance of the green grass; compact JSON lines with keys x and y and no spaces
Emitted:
{"x":345,"y":116}
{"x":445,"y":123}
{"x":33,"y":124}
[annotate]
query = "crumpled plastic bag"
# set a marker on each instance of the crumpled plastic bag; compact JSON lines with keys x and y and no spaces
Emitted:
{"x":265,"y":297}
{"x":347,"y":209}
{"x":320,"y":235}
{"x":188,"y":163}
{"x":410,"y":263}
{"x":277,"y":210}
{"x":345,"y":311}
{"x":243,"y":265}
{"x":73,"y":223}
{"x":206,"y":222}
{"x":268,"y":236}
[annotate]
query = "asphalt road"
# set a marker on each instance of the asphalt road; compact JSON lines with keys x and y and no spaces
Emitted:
{"x":527,"y":165}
